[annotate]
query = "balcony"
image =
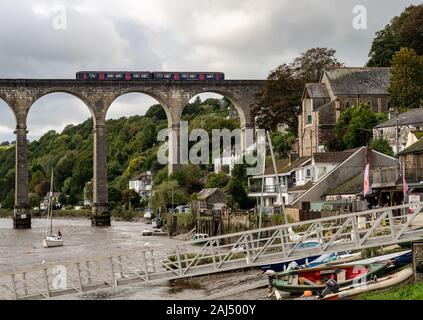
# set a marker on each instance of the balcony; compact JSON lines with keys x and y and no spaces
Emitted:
{"x":392,"y":176}
{"x":266,"y":189}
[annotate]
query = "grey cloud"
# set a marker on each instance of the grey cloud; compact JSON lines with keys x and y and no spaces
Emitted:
{"x":243,"y":38}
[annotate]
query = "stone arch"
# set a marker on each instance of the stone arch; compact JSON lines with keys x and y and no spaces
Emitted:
{"x":169,"y":114}
{"x":244,"y":115}
{"x":4,"y":99}
{"x":67,"y":91}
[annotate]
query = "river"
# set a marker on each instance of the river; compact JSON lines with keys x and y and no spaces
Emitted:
{"x":23,"y":248}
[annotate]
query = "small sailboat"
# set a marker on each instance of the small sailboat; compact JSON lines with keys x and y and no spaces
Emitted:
{"x":51,"y":240}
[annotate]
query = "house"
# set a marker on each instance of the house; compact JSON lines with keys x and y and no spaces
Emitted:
{"x":408,"y":123}
{"x":387,"y":182}
{"x":295,"y":177}
{"x":54,"y":199}
{"x":142,"y":184}
{"x":341,"y":174}
{"x":338,"y":89}
{"x":212,"y":198}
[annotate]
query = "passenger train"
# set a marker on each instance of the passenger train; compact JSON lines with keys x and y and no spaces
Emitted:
{"x":146,"y":75}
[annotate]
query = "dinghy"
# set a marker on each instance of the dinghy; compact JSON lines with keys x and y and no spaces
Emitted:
{"x":314,"y":279}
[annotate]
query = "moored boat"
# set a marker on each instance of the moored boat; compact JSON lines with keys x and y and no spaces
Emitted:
{"x":388,"y":281}
{"x":314,"y":279}
{"x":51,"y":240}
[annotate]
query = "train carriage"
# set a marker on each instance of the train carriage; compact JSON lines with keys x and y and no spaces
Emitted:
{"x":146,"y":75}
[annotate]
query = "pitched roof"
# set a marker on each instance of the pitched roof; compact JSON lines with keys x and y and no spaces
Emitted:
{"x":280,"y":164}
{"x":362,"y":81}
{"x":207,"y":192}
{"x":332,"y":157}
{"x":298,"y":162}
{"x":414,"y":116}
{"x":316,"y":90}
{"x":351,"y":186}
{"x":304,"y":187}
{"x":416,"y":147}
{"x":141,"y":175}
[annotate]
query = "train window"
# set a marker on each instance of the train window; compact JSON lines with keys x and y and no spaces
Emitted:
{"x":167,"y":76}
{"x":127,"y":76}
{"x":101,"y":76}
{"x":176,"y":77}
{"x":201,"y":77}
{"x":118,"y":76}
{"x":210,"y":76}
{"x":145,"y":76}
{"x":135,"y":75}
{"x":193,"y":76}
{"x":184,"y":76}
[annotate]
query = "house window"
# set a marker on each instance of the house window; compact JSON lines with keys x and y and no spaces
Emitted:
{"x":308,"y":173}
{"x":309,"y":119}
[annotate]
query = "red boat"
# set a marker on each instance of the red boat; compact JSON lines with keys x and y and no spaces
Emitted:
{"x":314,"y":279}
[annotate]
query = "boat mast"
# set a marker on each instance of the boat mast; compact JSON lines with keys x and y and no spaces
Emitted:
{"x":50,"y":204}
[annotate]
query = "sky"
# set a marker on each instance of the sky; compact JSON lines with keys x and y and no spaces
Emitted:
{"x":243,"y":38}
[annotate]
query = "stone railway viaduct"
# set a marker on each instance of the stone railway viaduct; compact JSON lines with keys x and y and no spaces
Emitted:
{"x":21,"y":94}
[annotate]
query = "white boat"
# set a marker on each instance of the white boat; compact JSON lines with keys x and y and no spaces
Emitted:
{"x":51,"y":240}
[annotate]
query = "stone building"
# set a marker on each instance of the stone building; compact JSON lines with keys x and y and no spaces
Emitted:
{"x":323,"y":102}
{"x":409,"y":124}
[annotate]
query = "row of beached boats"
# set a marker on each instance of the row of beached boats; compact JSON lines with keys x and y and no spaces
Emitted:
{"x":339,"y":275}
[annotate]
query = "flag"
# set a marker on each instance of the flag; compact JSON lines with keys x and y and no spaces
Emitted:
{"x":405,"y":186}
{"x":366,"y":181}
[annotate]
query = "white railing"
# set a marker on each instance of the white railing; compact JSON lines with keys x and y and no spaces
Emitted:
{"x":353,"y":231}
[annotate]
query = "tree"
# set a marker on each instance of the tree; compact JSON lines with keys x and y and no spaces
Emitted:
{"x":355,"y":125}
{"x":382,"y":145}
{"x":405,"y":30}
{"x":280,"y":98}
{"x":406,"y":87}
{"x":282,"y":143}
{"x":162,"y":196}
{"x":217,"y":180}
{"x":238,"y":187}
{"x":131,"y":199}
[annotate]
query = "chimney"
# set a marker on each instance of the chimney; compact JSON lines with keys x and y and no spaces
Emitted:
{"x":292,"y":157}
{"x":391,"y":113}
{"x":368,"y":157}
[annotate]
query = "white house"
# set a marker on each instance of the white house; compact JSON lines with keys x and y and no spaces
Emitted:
{"x":142,"y":184}
{"x":295,"y":177}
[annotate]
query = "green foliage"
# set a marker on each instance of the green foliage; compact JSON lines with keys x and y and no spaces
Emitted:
{"x":354,"y":127}
{"x":282,"y":143}
{"x":412,"y":291}
{"x":405,"y":30}
{"x":188,"y":177}
{"x":382,"y":145}
{"x":406,"y":88}
{"x":217,"y":180}
{"x":162,"y":196}
{"x":238,"y":187}
{"x":280,"y":98}
{"x":130,"y":199}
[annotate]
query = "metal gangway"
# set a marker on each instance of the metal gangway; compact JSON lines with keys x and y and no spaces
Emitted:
{"x":353,"y":231}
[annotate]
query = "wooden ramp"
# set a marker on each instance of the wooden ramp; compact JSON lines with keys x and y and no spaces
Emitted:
{"x":353,"y":231}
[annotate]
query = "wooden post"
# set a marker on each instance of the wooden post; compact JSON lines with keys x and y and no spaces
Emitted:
{"x":46,"y":282}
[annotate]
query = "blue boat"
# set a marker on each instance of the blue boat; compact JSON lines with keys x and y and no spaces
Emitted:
{"x":282,"y":266}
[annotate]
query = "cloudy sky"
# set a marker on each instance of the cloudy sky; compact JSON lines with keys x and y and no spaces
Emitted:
{"x":243,"y":38}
